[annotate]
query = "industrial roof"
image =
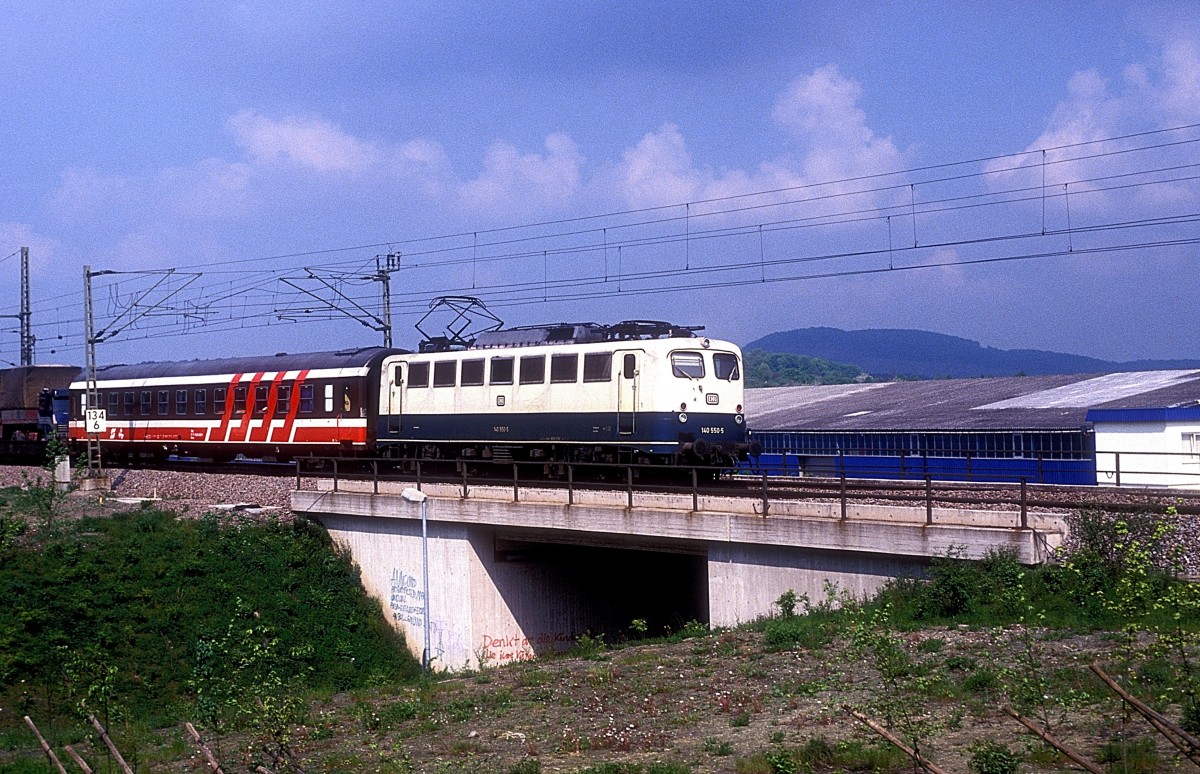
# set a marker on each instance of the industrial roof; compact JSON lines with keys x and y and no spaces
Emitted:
{"x":1007,"y":403}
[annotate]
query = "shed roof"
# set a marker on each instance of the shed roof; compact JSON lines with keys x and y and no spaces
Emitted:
{"x":1058,"y":402}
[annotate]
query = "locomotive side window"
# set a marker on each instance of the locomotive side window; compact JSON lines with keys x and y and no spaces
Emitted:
{"x":418,"y":374}
{"x":725,"y":366}
{"x":284,"y":401}
{"x":219,"y":400}
{"x":239,"y":400}
{"x":130,"y":399}
{"x":597,"y":367}
{"x":201,"y":401}
{"x":687,"y":365}
{"x":147,"y":400}
{"x":307,"y":399}
{"x":629,"y":366}
{"x":262,"y":395}
{"x":533,"y":369}
{"x":164,"y":402}
{"x":502,"y":370}
{"x":472,"y":373}
{"x":329,"y":399}
{"x":444,"y":373}
{"x":564,"y":368}
{"x":181,"y":402}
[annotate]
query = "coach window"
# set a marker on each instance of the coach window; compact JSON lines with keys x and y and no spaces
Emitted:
{"x":262,"y":396}
{"x":201,"y":402}
{"x":533,"y":369}
{"x":114,"y":403}
{"x":147,"y":401}
{"x":239,"y":400}
{"x":346,"y":399}
{"x":564,"y":368}
{"x":597,"y":367}
{"x":181,"y":402}
{"x":444,"y":373}
{"x":725,"y":366}
{"x":164,"y":402}
{"x":130,"y":400}
{"x":418,"y":374}
{"x":502,"y":370}
{"x":283,"y":402}
{"x":687,"y":365}
{"x":472,"y":373}
{"x":329,"y":399}
{"x":307,"y":398}
{"x":219,"y":400}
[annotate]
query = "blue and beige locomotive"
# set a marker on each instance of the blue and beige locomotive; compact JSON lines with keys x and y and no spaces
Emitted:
{"x":637,"y":391}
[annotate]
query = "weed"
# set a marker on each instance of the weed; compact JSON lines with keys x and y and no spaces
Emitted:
{"x":1130,"y":756}
{"x":589,"y":646}
{"x":714,"y":746}
{"x":787,"y":603}
{"x":931,"y":645}
{"x":992,"y":757}
{"x":740,"y":720}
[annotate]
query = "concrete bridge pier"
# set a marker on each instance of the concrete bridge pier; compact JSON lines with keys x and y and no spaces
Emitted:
{"x":510,"y":580}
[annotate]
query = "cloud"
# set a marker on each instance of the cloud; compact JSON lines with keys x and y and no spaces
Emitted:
{"x":510,"y":177}
{"x":313,"y":143}
{"x":830,"y":141}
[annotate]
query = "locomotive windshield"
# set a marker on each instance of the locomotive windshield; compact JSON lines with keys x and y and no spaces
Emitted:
{"x":687,"y":365}
{"x":725,"y":366}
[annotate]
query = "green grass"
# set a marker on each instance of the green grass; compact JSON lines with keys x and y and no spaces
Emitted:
{"x":117,"y":608}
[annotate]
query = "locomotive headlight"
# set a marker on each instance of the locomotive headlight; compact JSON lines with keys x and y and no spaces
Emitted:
{"x":706,"y":344}
{"x":737,"y":418}
{"x":682,"y":417}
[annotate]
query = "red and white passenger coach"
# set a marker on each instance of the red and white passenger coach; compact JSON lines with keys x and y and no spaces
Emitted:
{"x":271,"y":407}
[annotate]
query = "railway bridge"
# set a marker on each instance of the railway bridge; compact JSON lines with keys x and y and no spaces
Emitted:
{"x":503,"y":574}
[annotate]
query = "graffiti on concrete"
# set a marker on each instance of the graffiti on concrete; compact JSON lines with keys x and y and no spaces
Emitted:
{"x":516,"y":647}
{"x":406,"y":601}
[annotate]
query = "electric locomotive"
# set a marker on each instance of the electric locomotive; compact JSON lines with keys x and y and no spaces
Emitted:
{"x":638,"y":391}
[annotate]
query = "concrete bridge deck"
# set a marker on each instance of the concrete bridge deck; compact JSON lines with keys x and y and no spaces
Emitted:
{"x":508,"y":580}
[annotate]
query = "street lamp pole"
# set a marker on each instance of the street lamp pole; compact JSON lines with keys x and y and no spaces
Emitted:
{"x":417,"y":496}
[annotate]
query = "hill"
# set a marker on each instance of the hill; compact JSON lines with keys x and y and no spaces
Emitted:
{"x":894,"y":352}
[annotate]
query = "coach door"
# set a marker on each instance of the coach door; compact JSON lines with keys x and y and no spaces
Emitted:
{"x":629,"y":365}
{"x":395,"y":401}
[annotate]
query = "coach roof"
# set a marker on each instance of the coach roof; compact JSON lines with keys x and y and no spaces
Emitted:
{"x":303,"y":361}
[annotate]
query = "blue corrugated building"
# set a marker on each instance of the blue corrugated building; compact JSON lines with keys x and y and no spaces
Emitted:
{"x":1036,"y":428}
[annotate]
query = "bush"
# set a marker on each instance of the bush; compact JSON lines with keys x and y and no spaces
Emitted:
{"x":989,"y":757}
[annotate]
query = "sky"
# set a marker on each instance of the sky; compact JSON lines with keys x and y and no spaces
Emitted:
{"x":1022,"y":173}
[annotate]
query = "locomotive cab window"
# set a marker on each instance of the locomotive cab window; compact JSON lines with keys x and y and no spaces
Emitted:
{"x":472,"y":373}
{"x":725,"y":366}
{"x":687,"y":365}
{"x":329,"y":399}
{"x":444,"y":373}
{"x":629,"y":366}
{"x":597,"y":367}
{"x":418,"y":374}
{"x":533,"y":369}
{"x":502,"y":370}
{"x":564,"y":368}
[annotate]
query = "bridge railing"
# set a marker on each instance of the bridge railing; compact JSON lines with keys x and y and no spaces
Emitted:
{"x":760,"y":486}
